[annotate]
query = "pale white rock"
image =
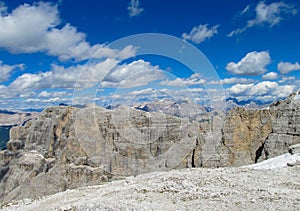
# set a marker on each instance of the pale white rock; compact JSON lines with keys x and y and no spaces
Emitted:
{"x":188,"y":189}
{"x":294,"y":149}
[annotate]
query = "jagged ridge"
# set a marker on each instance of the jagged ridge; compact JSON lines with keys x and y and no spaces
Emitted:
{"x":69,"y":147}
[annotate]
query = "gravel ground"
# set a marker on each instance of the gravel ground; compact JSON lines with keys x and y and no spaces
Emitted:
{"x":188,"y":189}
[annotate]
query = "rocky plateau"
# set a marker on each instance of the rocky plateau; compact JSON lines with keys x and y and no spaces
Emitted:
{"x":68,"y":147}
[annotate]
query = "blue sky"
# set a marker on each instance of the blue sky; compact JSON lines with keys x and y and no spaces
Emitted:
{"x":45,"y":47}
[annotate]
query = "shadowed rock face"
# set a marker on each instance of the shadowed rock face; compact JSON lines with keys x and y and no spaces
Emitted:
{"x":69,"y":147}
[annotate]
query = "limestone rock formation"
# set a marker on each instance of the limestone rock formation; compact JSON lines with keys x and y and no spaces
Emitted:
{"x":188,"y":189}
{"x":285,"y":127}
{"x":69,"y":147}
{"x":241,"y":138}
{"x":294,"y":149}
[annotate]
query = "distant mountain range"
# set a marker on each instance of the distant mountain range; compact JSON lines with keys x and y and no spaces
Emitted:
{"x":189,"y":109}
{"x":7,"y":112}
{"x":11,"y":118}
{"x":247,"y":102}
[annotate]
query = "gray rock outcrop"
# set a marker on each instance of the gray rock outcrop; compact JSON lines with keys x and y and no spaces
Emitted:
{"x":285,"y":126}
{"x":294,"y":149}
{"x":68,"y":147}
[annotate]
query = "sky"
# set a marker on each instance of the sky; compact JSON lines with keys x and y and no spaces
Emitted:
{"x":128,"y":51}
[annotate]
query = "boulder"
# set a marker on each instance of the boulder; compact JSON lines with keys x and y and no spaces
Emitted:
{"x":294,"y":149}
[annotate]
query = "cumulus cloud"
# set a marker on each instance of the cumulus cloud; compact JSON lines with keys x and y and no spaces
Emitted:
{"x":194,"y":79}
{"x":233,"y":80}
{"x":267,"y":14}
{"x":287,"y":79}
{"x":271,"y":14}
{"x":3,"y":91}
{"x":264,"y":91}
{"x":270,"y":76}
{"x":60,"y":77}
{"x":41,"y":23}
{"x":138,"y":73}
{"x":286,"y":67}
{"x":200,"y":33}
{"x":134,"y":8}
{"x":46,"y":94}
{"x":253,"y":63}
{"x":47,"y":101}
{"x":142,"y":92}
{"x":35,"y":20}
{"x":8,"y":94}
{"x":6,"y":70}
{"x":108,"y":73}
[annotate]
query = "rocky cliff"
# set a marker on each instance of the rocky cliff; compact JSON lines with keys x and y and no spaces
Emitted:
{"x":68,"y":147}
{"x":285,"y":126}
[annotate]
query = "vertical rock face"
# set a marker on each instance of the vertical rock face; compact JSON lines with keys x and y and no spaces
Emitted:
{"x":286,"y":126}
{"x":244,"y":133}
{"x":69,"y":147}
{"x":237,"y":140}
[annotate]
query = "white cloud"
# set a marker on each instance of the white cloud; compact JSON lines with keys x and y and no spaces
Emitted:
{"x":253,"y":63}
{"x":266,"y":14}
{"x":233,"y":80}
{"x":60,"y":77}
{"x":194,"y":79}
{"x":40,"y":21}
{"x":200,"y":33}
{"x":29,"y":81}
{"x":46,"y":100}
{"x":115,"y":96}
{"x":134,"y":8}
{"x":240,"y":89}
{"x":245,"y":10}
{"x":286,"y":67}
{"x":25,"y":94}
{"x":270,"y":14}
{"x":196,"y":90}
{"x":54,"y":100}
{"x":264,"y":91}
{"x":270,"y":76}
{"x":46,"y":94}
{"x":3,"y":91}
{"x":35,"y":20}
{"x":6,"y":70}
{"x":32,"y":100}
{"x":67,"y":43}
{"x":138,"y":73}
{"x":287,"y":79}
{"x":9,"y":94}
{"x":142,"y":92}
